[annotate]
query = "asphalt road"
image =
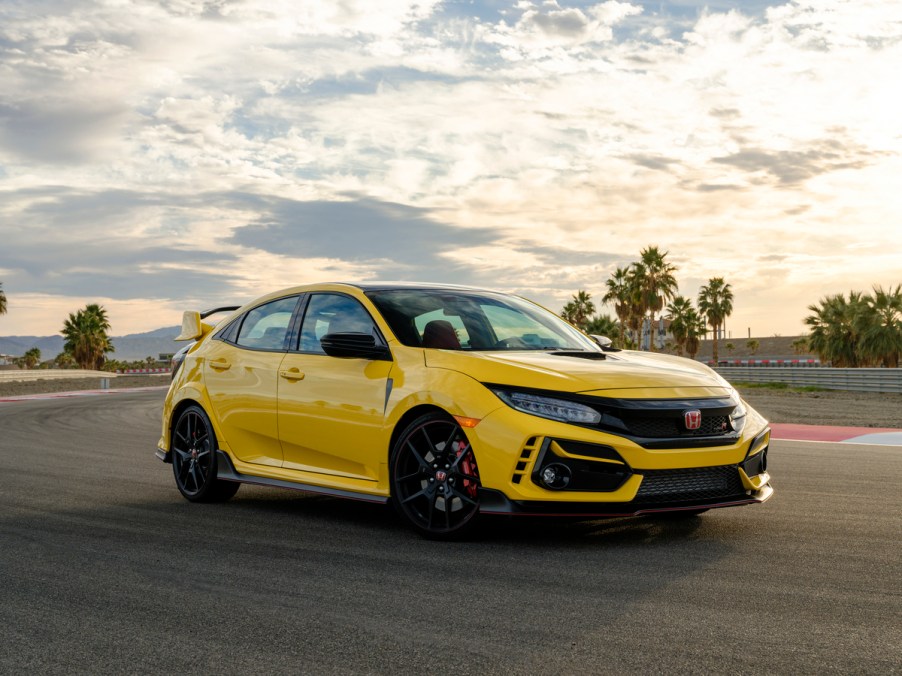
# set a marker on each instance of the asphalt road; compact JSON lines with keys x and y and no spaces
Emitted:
{"x":104,"y":568}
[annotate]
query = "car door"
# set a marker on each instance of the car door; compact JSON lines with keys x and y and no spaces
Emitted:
{"x":241,"y":374}
{"x":331,"y":409}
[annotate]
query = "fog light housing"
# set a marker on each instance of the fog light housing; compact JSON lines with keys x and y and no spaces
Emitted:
{"x":756,"y":464}
{"x":555,"y":476}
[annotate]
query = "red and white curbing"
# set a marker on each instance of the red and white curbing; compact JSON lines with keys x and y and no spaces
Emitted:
{"x":78,"y":393}
{"x":880,"y":436}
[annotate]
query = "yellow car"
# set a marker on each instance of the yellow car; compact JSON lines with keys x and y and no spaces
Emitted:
{"x":450,"y":402}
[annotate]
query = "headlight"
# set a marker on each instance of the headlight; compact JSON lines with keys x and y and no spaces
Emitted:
{"x":737,"y":417}
{"x":549,"y":407}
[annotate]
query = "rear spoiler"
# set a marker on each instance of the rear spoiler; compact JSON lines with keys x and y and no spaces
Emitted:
{"x":192,"y":326}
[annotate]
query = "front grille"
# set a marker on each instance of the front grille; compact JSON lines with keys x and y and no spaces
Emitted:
{"x":674,"y":426}
{"x":684,"y":485}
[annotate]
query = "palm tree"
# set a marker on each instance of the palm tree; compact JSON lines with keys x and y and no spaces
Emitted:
{"x":618,"y":295}
{"x":636,"y":306}
{"x":64,"y":360}
{"x":602,"y":325}
{"x":2,"y":300}
{"x":881,"y":327}
{"x":676,"y":313}
{"x":800,"y":345}
{"x":695,"y":330}
{"x":835,"y":325}
{"x":658,"y":284}
{"x":86,"y":336}
{"x":821,"y":326}
{"x":32,"y":357}
{"x":715,"y":302}
{"x":579,"y":309}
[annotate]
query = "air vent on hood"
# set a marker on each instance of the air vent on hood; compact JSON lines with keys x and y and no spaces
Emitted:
{"x":582,"y":354}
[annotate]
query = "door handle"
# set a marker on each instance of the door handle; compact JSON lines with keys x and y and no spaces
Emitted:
{"x":291,"y":374}
{"x":220,"y":364}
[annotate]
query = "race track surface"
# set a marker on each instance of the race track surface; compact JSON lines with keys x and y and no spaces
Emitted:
{"x":104,"y":568}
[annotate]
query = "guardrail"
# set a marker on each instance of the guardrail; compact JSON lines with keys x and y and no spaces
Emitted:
{"x":854,"y":380}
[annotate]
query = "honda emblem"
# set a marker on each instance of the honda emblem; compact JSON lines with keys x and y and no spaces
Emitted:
{"x":692,"y":419}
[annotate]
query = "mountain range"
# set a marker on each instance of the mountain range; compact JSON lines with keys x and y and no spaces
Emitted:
{"x":128,"y":348}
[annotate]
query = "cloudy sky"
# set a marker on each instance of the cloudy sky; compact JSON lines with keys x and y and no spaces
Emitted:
{"x":163,"y":155}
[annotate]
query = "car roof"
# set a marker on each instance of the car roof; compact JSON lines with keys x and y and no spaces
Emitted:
{"x":381,"y":286}
{"x":426,"y":286}
{"x":365,"y":287}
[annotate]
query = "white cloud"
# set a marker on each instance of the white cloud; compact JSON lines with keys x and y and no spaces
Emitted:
{"x":589,"y":130}
{"x":543,"y":29}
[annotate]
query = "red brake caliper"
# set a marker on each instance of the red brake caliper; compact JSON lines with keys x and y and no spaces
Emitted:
{"x":467,"y":466}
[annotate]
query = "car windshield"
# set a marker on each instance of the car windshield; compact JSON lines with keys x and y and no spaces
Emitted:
{"x":478,"y":321}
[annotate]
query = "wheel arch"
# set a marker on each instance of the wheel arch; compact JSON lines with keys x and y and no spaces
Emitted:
{"x":470,"y":399}
{"x":177,"y":410}
{"x":408,"y":417}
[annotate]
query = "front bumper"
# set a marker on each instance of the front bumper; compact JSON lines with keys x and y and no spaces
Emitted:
{"x":495,"y":502}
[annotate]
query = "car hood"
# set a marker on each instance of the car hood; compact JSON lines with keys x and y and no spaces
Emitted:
{"x":630,"y":374}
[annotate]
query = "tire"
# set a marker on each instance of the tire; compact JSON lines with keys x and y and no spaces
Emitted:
{"x":193,"y":447}
{"x":434,"y":478}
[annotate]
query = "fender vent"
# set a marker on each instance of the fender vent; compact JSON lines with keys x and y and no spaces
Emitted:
{"x":527,"y":455}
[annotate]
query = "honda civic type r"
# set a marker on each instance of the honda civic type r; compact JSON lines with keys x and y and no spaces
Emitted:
{"x":450,"y":402}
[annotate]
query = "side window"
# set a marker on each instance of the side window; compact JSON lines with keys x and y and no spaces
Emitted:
{"x":266,"y":326}
{"x":333,"y":313}
{"x":230,"y":332}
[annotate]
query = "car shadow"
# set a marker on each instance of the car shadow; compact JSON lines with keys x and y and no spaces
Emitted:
{"x":518,"y":530}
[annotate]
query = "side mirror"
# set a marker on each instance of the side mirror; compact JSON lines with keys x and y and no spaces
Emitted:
{"x":603,"y":341}
{"x":354,"y":346}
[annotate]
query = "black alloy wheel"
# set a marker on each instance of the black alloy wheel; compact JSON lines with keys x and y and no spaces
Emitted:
{"x":193,"y":448}
{"x":434,"y":478}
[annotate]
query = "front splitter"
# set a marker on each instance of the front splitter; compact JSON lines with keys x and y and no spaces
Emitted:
{"x":495,"y":502}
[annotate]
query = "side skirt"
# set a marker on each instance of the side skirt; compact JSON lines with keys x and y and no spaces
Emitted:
{"x":227,"y":472}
